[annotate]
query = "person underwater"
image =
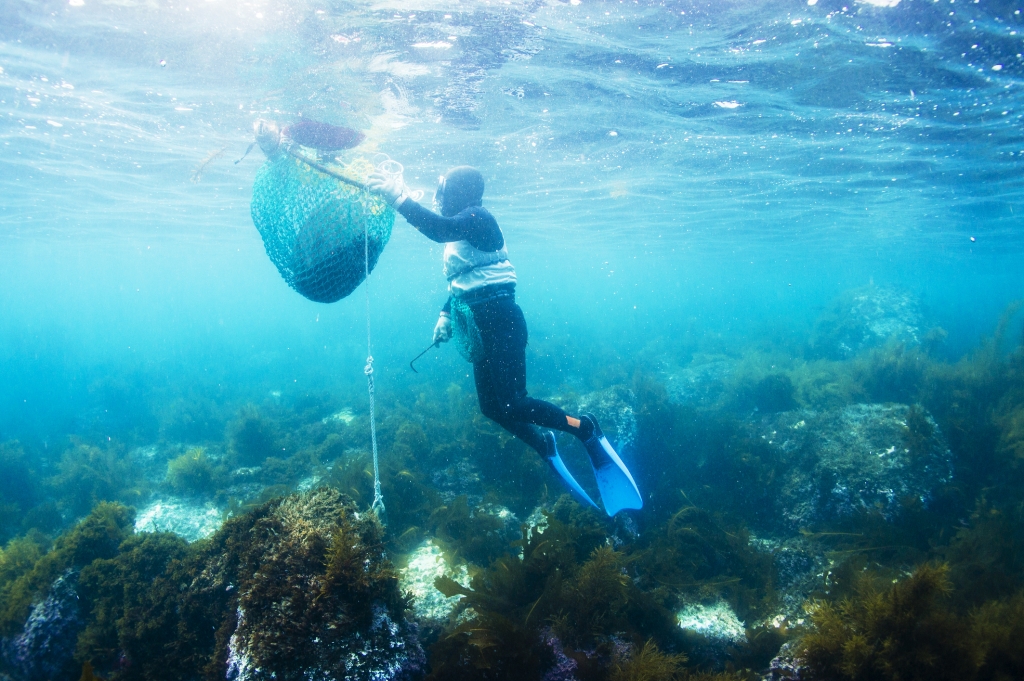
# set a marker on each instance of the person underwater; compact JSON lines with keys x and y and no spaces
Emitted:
{"x":490,"y":329}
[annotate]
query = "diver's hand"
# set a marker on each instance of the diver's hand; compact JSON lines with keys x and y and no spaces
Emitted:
{"x":391,"y":189}
{"x":443,"y":329}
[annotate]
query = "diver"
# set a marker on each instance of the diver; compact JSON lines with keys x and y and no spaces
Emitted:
{"x":489,"y":326}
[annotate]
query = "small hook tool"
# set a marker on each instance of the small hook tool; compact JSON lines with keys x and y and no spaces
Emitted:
{"x":429,"y":348}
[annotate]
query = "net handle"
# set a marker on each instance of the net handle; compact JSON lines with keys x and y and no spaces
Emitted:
{"x":337,"y":176}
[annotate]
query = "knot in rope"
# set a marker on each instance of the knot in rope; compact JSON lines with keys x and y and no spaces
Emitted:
{"x":368,"y":369}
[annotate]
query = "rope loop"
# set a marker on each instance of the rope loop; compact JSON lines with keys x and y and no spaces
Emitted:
{"x":368,"y":369}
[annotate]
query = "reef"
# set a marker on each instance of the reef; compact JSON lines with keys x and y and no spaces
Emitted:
{"x":863,"y":458}
{"x":193,"y":473}
{"x":298,"y":588}
{"x":906,"y":630}
{"x":839,"y":505}
{"x":865,"y":318}
{"x":187,"y":518}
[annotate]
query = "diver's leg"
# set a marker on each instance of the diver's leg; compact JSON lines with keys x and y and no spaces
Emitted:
{"x":507,"y":333}
{"x":503,"y":330}
{"x":491,"y":407}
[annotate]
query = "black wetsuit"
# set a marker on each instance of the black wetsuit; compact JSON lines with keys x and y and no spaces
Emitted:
{"x":501,"y":375}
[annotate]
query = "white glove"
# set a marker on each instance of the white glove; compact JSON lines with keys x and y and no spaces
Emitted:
{"x":443,"y":329}
{"x":391,"y":189}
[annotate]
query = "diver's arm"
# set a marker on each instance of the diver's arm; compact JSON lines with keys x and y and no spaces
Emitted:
{"x":474,"y":225}
{"x":436,"y":227}
{"x":443,"y":328}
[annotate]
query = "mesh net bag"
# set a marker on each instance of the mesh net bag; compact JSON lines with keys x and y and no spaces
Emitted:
{"x":465,"y":332}
{"x":313,"y":225}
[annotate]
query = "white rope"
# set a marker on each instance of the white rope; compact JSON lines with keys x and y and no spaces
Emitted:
{"x":378,"y":498}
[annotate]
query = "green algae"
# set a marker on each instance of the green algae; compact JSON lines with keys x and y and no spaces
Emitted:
{"x":253,"y":437}
{"x":997,"y":627}
{"x":18,"y":488}
{"x":132,"y":604}
{"x":648,"y":663}
{"x":900,"y":633}
{"x":193,"y":418}
{"x":566,"y":580}
{"x":584,"y":578}
{"x":909,"y":630}
{"x":98,"y":536}
{"x":87,"y":475}
{"x":464,"y":533}
{"x":193,"y":473}
{"x":307,"y":571}
{"x":699,"y":554}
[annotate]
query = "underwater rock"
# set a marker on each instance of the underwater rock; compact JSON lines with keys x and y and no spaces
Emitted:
{"x":614,"y":410}
{"x":461,"y":477}
{"x":477,"y":534}
{"x":564,"y":668}
{"x":862,"y":458}
{"x":511,"y":526}
{"x":316,"y":596}
{"x":190,"y":519}
{"x":345,"y":416}
{"x":866,"y":318}
{"x":715,"y":624}
{"x":382,"y":652}
{"x":298,"y":588}
{"x":430,"y":607}
{"x":537,"y":521}
{"x":702,"y":382}
{"x":786,"y":666}
{"x":45,"y":647}
{"x":799,"y":567}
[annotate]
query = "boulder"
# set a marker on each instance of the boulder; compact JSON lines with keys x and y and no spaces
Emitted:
{"x":316,"y":596}
{"x":45,"y":647}
{"x":872,"y":458}
{"x":865,"y":318}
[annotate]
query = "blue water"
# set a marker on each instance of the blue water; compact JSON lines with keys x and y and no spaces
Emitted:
{"x":665,"y":173}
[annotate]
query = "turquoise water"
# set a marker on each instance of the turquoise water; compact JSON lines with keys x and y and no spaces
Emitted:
{"x":866,"y":143}
{"x":677,"y":182}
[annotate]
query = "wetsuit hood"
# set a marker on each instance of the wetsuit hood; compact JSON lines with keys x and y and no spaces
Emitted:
{"x":459,"y":188}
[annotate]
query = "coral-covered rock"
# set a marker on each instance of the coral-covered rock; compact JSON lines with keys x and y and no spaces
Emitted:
{"x":786,"y":666}
{"x":864,"y":457}
{"x":317,"y":598}
{"x":866,"y":318}
{"x":45,"y":647}
{"x":298,"y":588}
{"x":614,"y":410}
{"x":714,"y":621}
{"x":702,"y":382}
{"x":191,"y":519}
{"x":427,"y":563}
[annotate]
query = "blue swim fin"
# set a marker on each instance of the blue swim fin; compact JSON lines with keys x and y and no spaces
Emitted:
{"x":618,"y":489}
{"x":556,"y":462}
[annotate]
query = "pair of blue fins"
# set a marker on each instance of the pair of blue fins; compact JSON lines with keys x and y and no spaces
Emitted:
{"x":614,"y":481}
